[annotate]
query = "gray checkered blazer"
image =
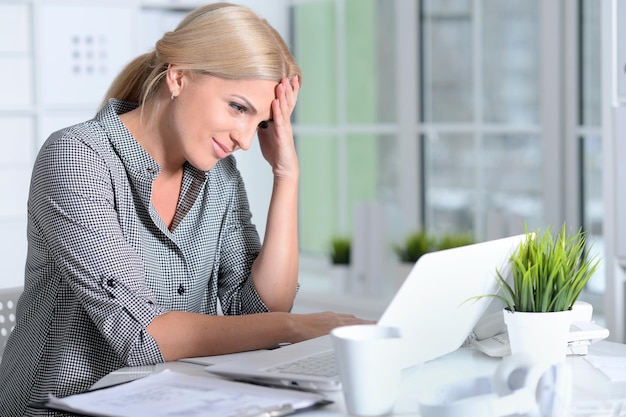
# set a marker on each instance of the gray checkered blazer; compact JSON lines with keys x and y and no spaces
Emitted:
{"x":102,"y":264}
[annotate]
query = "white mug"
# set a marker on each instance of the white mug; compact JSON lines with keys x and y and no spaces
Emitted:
{"x":369,"y":362}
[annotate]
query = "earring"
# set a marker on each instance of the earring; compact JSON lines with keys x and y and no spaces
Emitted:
{"x":172,"y":97}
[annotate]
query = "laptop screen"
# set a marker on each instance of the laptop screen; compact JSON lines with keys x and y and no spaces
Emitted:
{"x":432,"y":307}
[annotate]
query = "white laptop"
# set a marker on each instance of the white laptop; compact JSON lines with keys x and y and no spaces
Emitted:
{"x":431,"y":309}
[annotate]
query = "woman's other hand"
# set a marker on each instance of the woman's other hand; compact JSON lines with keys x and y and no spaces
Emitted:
{"x":276,"y":136}
{"x":308,"y":326}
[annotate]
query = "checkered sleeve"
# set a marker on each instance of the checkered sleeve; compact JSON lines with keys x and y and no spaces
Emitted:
{"x":239,"y":248}
{"x":72,"y":206}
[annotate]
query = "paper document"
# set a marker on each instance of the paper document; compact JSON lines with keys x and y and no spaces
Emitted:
{"x":171,"y":393}
{"x":614,"y":367}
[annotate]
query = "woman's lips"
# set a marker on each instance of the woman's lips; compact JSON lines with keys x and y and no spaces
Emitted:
{"x":220,"y":151}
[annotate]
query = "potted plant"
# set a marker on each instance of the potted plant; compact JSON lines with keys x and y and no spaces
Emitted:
{"x":548,"y":274}
{"x":414,"y":245}
{"x":454,"y":240}
{"x":340,"y":262}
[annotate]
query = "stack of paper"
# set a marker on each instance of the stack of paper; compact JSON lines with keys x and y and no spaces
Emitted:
{"x":175,"y":394}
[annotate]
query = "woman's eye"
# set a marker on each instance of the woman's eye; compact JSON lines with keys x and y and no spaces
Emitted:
{"x":238,"y":108}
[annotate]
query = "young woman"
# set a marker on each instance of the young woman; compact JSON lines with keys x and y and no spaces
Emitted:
{"x":139,"y":228}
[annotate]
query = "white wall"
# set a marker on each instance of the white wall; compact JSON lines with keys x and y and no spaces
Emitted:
{"x":614,"y":146}
{"x":56,"y":59}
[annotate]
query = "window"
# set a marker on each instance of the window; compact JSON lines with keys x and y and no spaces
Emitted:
{"x":346,"y":138}
{"x":453,"y":115}
{"x":588,"y":131}
{"x":480,"y":97}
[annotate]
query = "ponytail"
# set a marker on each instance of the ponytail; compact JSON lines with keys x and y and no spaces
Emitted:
{"x":136,"y":82}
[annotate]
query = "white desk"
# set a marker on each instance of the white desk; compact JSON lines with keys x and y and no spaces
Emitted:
{"x":591,"y":386}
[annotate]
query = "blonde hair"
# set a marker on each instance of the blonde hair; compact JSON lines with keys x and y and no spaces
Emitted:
{"x":221,"y":39}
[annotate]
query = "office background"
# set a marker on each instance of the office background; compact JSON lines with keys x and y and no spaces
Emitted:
{"x":477,"y":116}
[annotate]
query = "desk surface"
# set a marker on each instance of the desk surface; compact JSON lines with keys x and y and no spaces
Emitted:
{"x":594,"y":393}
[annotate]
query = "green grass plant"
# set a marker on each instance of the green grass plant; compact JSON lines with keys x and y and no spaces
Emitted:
{"x":549,"y":272}
{"x":454,"y":240}
{"x":340,"y":250}
{"x":415,"y":245}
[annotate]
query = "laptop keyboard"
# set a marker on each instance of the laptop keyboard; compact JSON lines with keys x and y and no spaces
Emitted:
{"x":322,"y":364}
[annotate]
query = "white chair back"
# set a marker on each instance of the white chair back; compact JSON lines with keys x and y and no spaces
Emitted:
{"x":8,"y":301}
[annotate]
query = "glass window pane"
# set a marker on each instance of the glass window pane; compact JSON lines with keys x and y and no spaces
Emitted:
{"x":513,"y":162}
{"x":593,"y":207}
{"x":591,"y":116}
{"x":510,"y":64}
{"x":317,"y":101}
{"x":488,"y":185}
{"x":372,"y":176}
{"x":590,"y":50}
{"x":318,"y":197}
{"x":370,"y":61}
{"x":592,"y":184}
{"x":367,"y":162}
{"x":447,"y":74}
{"x":362,"y":167}
{"x":450,"y":182}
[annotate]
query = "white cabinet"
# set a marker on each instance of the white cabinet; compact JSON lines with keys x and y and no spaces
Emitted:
{"x":15,"y":28}
{"x":15,"y":56}
{"x":16,"y":136}
{"x":80,"y":49}
{"x":15,"y":165}
{"x":17,"y":90}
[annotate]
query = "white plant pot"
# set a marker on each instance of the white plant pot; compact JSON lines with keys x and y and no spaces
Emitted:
{"x":340,"y":278}
{"x":402,"y":271}
{"x":541,"y":335}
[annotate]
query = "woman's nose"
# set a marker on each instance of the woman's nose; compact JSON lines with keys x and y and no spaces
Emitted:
{"x":243,"y":139}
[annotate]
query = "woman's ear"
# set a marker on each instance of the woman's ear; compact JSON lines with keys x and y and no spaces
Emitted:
{"x":173,"y":78}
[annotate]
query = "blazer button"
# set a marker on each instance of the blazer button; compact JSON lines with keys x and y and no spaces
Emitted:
{"x":111,"y":283}
{"x":181,"y":289}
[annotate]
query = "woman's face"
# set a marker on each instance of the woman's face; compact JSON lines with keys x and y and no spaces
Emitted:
{"x":213,"y":117}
